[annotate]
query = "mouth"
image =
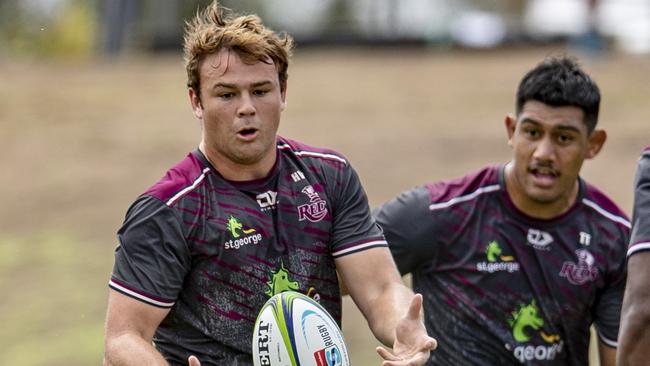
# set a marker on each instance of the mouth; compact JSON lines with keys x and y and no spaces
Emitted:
{"x":247,"y":133}
{"x":543,"y":176}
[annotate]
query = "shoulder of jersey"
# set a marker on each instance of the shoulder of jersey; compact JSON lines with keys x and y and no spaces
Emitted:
{"x":603,"y":205}
{"x":447,"y":193}
{"x":179,"y":180}
{"x":292,"y":329}
{"x":307,"y":151}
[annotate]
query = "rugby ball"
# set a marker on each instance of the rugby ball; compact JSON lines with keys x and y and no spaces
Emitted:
{"x":294,"y":330}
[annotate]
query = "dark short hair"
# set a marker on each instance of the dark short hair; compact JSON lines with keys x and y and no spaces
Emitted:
{"x":559,"y":81}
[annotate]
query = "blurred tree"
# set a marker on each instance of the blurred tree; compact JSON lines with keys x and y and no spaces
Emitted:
{"x":53,"y":28}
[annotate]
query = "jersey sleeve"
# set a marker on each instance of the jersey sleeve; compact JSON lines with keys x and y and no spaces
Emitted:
{"x":152,"y":257}
{"x":406,"y":223}
{"x":354,"y":228}
{"x":609,"y":300}
{"x":640,"y":238}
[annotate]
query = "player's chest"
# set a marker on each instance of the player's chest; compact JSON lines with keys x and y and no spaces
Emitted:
{"x":278,"y":217}
{"x":565,"y":258}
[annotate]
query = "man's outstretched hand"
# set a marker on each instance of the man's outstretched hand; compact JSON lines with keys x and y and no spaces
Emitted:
{"x":412,"y":344}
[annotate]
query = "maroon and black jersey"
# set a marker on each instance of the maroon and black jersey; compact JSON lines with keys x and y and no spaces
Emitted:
{"x":503,"y":288}
{"x":640,"y":240}
{"x":213,"y":250}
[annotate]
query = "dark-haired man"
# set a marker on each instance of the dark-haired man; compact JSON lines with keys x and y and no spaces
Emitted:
{"x":516,"y":261}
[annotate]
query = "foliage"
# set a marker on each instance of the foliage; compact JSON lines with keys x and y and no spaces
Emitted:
{"x":65,"y":29}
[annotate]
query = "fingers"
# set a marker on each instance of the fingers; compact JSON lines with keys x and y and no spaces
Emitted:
{"x":392,"y":360}
{"x":414,"y":312}
{"x":415,"y":307}
{"x":431,"y":344}
{"x":385,"y":354}
{"x":193,"y":361}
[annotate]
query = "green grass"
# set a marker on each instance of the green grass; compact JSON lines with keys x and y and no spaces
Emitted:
{"x":54,"y":290}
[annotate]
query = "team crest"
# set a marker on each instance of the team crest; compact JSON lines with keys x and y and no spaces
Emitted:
{"x":315,"y":210}
{"x":581,"y":272}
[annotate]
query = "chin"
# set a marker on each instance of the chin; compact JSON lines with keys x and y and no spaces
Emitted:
{"x":249,"y":157}
{"x":542,"y":197}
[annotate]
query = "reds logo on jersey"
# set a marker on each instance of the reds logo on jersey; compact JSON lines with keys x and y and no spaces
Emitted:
{"x":581,"y":272}
{"x":315,"y":210}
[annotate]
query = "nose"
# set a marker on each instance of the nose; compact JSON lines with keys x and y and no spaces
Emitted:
{"x":545,"y":149}
{"x":246,"y":107}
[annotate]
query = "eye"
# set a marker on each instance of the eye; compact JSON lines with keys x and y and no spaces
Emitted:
{"x":531,"y":132}
{"x":260,"y":92}
{"x":565,"y":139}
{"x":226,"y":95}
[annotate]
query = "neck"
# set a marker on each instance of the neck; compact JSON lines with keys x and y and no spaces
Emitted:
{"x":534,"y":208}
{"x":238,"y":172}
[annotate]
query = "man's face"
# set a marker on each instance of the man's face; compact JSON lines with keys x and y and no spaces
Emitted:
{"x":240,"y":107}
{"x":549,"y":146}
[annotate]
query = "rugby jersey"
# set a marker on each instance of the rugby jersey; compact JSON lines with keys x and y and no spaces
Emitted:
{"x":503,"y":288}
{"x":640,"y":239}
{"x":213,"y":250}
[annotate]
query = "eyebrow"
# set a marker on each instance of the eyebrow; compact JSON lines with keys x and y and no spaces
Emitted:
{"x":562,"y":127}
{"x":234,"y":86}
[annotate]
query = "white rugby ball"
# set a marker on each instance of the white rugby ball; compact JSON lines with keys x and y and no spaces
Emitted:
{"x":294,"y":330}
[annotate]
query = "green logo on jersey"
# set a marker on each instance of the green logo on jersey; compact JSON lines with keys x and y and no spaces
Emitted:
{"x":234,"y":225}
{"x":496,"y":262}
{"x":280,"y":282}
{"x":525,"y":317}
{"x":493,"y":252}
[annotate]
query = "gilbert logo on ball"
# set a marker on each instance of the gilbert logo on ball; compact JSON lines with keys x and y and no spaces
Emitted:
{"x":294,"y":330}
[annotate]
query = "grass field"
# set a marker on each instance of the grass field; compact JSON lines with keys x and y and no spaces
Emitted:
{"x":82,"y":140}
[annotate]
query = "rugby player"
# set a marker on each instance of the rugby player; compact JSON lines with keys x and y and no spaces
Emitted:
{"x":245,"y":216}
{"x":517,"y":260}
{"x":635,"y":318}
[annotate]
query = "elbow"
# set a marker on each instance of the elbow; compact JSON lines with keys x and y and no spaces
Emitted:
{"x":637,"y":315}
{"x":110,"y":348}
{"x":114,"y":346}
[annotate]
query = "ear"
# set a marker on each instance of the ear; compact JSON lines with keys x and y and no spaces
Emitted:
{"x":195,"y":101}
{"x":595,"y":142}
{"x":283,"y":95}
{"x":511,"y":124}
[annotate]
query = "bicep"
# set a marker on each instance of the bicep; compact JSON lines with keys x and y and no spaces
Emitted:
{"x":126,"y":315}
{"x":635,"y":314}
{"x":637,"y":289}
{"x":367,"y":274}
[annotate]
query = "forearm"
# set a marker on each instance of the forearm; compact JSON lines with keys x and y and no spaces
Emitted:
{"x":386,"y":310}
{"x":634,"y":334}
{"x":634,"y":346}
{"x":131,"y":349}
